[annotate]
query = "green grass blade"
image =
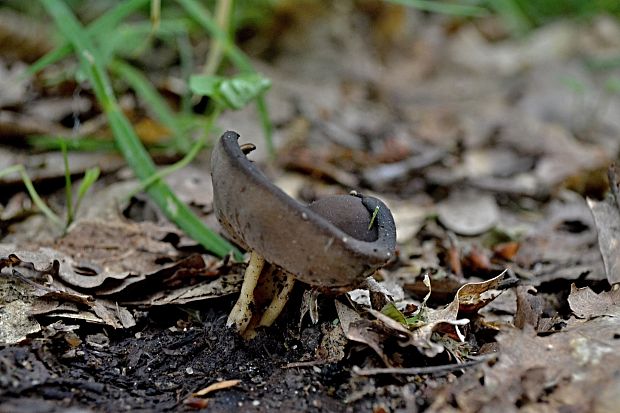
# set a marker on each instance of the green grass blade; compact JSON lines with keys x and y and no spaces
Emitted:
{"x":36,"y":199}
{"x":444,"y":8}
{"x":55,"y":142}
{"x":155,"y":14}
{"x":187,"y":63}
{"x":140,"y":84}
{"x":89,"y":179}
{"x":203,"y":17}
{"x":127,"y":140}
{"x":512,"y":13}
{"x":106,"y":22}
{"x":191,"y":154}
{"x":265,"y":120}
{"x":68,"y":189}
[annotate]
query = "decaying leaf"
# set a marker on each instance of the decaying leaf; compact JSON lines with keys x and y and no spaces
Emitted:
{"x":529,"y":307}
{"x":418,"y":329}
{"x":607,"y":218}
{"x":563,"y":244}
{"x":309,"y":305}
{"x":111,"y":255}
{"x":585,"y":303}
{"x":346,"y":316}
{"x":574,"y":368}
{"x":373,"y":334}
{"x":212,"y":288}
{"x":16,"y":322}
{"x":63,"y":304}
{"x":333,"y":342}
{"x":468,"y":213}
{"x":124,"y":260}
{"x":473,"y":296}
{"x":50,"y":165}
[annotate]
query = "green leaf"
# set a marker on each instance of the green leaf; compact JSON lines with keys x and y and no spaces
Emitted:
{"x":230,"y":93}
{"x":417,"y":320}
{"x":394,"y":313}
{"x":205,"y":85}
{"x":68,"y":187}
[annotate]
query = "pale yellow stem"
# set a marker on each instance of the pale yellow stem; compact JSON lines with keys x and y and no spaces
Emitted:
{"x":241,"y":314}
{"x":278,"y":302}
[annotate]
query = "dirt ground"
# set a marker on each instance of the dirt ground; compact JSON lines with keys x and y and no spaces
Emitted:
{"x":158,"y":368}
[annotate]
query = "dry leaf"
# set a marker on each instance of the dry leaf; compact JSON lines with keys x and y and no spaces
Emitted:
{"x":529,"y":307}
{"x":212,"y":288}
{"x":331,"y":348}
{"x":585,"y":303}
{"x":220,"y":385}
{"x":468,"y":213}
{"x":16,"y":322}
{"x":607,"y":219}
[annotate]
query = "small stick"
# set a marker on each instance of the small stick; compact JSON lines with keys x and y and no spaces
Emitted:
{"x":422,"y":370}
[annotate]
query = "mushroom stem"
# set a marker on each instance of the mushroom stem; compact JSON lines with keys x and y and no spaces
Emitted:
{"x":241,"y":314}
{"x":278,"y":301}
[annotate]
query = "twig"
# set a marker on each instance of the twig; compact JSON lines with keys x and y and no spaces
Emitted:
{"x":445,"y":368}
{"x":309,"y":363}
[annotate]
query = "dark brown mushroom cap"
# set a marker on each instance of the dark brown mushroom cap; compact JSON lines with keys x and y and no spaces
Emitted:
{"x":261,"y":217}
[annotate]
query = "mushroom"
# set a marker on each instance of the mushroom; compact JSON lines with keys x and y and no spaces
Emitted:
{"x":333,"y":243}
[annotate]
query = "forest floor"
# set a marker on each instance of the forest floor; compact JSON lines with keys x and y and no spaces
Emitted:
{"x":494,"y":157}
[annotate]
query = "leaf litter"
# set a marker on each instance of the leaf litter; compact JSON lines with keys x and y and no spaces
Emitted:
{"x":486,"y":162}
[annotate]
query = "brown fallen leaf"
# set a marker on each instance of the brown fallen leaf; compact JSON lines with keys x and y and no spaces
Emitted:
{"x":506,"y":250}
{"x":64,"y":304}
{"x":111,"y":254}
{"x":220,"y":385}
{"x":530,"y":307}
{"x":571,"y":370}
{"x":196,"y":403}
{"x":372,"y":333}
{"x":563,"y":244}
{"x":212,"y":288}
{"x":318,"y":166}
{"x":473,"y":296}
{"x":607,"y":219}
{"x":50,"y":165}
{"x":333,"y":342}
{"x":16,"y":323}
{"x":468,"y":213}
{"x":585,"y":303}
{"x":419,"y":329}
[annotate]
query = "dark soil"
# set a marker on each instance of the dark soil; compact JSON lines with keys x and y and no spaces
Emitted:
{"x":160,"y":363}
